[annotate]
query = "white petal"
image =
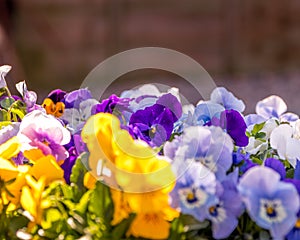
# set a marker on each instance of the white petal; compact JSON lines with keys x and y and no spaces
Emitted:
{"x":270,"y":107}
{"x":279,"y":138}
{"x":293,"y":151}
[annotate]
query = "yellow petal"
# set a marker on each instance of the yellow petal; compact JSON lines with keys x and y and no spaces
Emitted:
{"x":121,"y":207}
{"x":10,"y":148}
{"x":7,"y":170}
{"x":33,"y":154}
{"x":48,"y":168}
{"x":28,"y":202}
{"x":149,"y":202}
{"x":150,"y":226}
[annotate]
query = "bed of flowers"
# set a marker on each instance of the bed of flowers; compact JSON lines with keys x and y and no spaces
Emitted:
{"x":143,"y":166}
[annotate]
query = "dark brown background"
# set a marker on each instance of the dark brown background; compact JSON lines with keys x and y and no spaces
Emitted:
{"x":250,"y":46}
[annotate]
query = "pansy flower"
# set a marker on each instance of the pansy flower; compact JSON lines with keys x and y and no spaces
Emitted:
{"x":54,"y":103}
{"x":133,"y":167}
{"x":195,"y":190}
{"x":154,"y":124}
{"x":146,"y":96}
{"x":288,"y":147}
{"x":42,"y":134}
{"x":76,"y":117}
{"x":271,"y":203}
{"x":274,"y":106}
{"x":224,"y":214}
{"x":222,"y":96}
{"x":74,"y":98}
{"x":234,"y":124}
{"x":210,"y":146}
{"x":114,"y":105}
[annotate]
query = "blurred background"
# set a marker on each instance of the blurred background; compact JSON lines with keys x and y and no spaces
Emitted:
{"x":252,"y":47}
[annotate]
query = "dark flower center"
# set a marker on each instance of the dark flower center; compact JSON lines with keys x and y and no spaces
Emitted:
{"x":191,"y":197}
{"x":270,"y":210}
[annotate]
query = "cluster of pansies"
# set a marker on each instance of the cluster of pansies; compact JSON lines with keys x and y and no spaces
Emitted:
{"x":143,"y":166}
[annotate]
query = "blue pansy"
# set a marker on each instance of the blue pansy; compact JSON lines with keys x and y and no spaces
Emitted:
{"x":208,"y":145}
{"x":224,"y":215}
{"x":271,"y":203}
{"x":195,"y":190}
{"x":222,"y":96}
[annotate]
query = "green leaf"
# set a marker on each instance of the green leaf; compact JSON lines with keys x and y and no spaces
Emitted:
{"x":52,"y":215}
{"x":177,"y":229}
{"x":18,"y":109}
{"x":260,"y":135}
{"x":3,"y":115}
{"x":257,"y":128}
{"x":77,"y":176}
{"x":17,"y":222}
{"x":101,"y":203}
{"x":290,"y":173}
{"x":82,"y":206}
{"x":6,"y":102}
{"x":256,"y":160}
{"x":119,"y":231}
{"x":4,"y":92}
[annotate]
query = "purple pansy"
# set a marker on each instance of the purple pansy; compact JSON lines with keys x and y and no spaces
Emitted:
{"x":114,"y":105}
{"x":57,"y":95}
{"x":154,"y":124}
{"x":271,"y":203}
{"x":234,"y":124}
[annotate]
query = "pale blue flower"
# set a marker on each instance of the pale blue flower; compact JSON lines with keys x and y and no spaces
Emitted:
{"x":210,"y":146}
{"x":76,"y":117}
{"x":222,"y":96}
{"x":271,"y":204}
{"x":274,"y":106}
{"x":224,"y":214}
{"x":195,"y":190}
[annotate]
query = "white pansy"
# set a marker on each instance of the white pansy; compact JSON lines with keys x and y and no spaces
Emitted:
{"x":286,"y":145}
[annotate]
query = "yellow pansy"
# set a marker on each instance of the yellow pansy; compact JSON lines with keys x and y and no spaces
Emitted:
{"x":144,"y":177}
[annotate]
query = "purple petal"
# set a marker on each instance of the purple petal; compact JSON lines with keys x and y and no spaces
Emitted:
{"x":276,"y":165}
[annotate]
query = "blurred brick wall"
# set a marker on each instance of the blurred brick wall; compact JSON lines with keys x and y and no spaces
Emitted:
{"x":60,"y":41}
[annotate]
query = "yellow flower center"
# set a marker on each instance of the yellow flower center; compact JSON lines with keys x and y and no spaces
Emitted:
{"x":190,"y":196}
{"x":270,"y":210}
{"x":46,"y":143}
{"x":54,"y":109}
{"x":297,"y":224}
